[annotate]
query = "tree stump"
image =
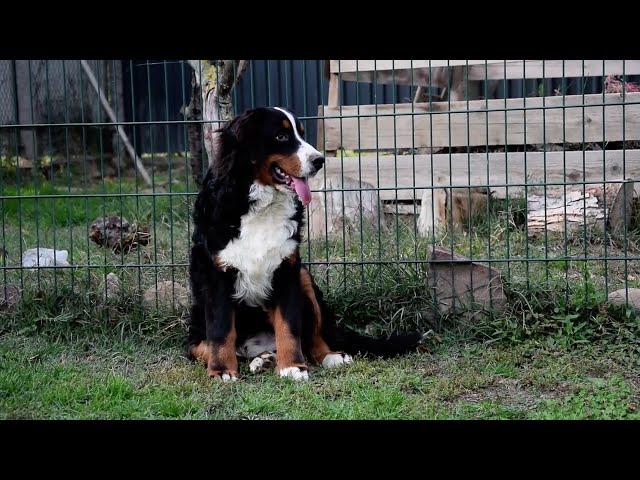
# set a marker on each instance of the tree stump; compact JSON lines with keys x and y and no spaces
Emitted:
{"x":457,"y":208}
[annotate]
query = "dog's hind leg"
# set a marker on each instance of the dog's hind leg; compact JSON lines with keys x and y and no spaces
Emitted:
{"x":263,"y":362}
{"x":261,"y":349}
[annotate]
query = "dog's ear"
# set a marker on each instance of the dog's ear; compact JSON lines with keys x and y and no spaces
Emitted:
{"x":242,"y":132}
{"x":241,"y":126}
{"x":238,"y":142}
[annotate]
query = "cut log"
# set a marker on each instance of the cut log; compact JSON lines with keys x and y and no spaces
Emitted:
{"x":456,"y":208}
{"x":432,"y":211}
{"x":603,"y":206}
{"x":341,"y":205}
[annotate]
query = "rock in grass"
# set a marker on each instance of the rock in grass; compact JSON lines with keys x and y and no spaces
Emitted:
{"x":462,"y":286}
{"x":10,"y":296}
{"x":619,"y":298}
{"x":110,"y":288}
{"x":167,"y":293}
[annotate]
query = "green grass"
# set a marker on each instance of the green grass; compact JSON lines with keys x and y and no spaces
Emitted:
{"x":64,"y":207}
{"x":136,"y":377}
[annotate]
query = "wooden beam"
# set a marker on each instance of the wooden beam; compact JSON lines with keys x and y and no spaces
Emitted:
{"x":359,"y":70}
{"x":334,"y":91}
{"x":26,"y":108}
{"x":516,"y":121}
{"x":461,"y":169}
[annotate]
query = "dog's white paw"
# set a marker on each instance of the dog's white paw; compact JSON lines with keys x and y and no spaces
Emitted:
{"x":263,"y":362}
{"x":336,"y":359}
{"x":295,"y":373}
{"x":228,"y":377}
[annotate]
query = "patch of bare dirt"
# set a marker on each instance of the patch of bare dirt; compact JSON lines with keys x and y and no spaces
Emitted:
{"x":512,"y":393}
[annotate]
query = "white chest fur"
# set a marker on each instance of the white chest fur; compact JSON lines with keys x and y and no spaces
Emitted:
{"x":264,"y":241}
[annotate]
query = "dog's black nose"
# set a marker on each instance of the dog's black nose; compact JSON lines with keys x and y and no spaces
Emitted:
{"x":318,"y":163}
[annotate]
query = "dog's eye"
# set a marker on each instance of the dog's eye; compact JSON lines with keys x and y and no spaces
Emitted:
{"x":282,"y":137}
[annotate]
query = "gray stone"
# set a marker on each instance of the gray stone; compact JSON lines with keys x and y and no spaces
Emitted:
{"x":462,"y":286}
{"x":10,"y":296}
{"x":167,"y":292}
{"x":112,"y":289}
{"x":619,"y":297}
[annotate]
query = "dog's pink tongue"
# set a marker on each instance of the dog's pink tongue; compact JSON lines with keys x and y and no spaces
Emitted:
{"x":302,"y":189}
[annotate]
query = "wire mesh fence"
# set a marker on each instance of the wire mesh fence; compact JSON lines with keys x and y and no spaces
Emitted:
{"x":437,"y":172}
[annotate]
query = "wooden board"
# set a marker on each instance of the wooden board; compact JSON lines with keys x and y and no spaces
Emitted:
{"x":390,"y":172}
{"x":486,"y":69}
{"x":516,"y":121}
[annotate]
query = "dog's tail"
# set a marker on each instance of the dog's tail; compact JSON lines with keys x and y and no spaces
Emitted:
{"x":341,"y":338}
{"x":353,"y":343}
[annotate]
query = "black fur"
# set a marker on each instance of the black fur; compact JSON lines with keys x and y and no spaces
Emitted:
{"x":242,"y":146}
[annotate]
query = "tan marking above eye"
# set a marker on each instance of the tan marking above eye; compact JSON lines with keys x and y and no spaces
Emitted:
{"x":286,"y":124}
{"x":301,"y":128}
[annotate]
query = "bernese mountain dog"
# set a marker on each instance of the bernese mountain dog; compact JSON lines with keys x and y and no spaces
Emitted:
{"x":252,"y":296}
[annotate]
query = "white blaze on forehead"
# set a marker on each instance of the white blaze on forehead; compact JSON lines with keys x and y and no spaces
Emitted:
{"x":306,"y":153}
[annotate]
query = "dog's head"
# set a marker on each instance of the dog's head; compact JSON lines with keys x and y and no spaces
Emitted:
{"x":270,"y":142}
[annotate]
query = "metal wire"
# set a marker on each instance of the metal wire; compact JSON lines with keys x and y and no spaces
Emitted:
{"x":79,"y":172}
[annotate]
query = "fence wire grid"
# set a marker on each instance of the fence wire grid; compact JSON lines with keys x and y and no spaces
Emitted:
{"x":523,"y":166}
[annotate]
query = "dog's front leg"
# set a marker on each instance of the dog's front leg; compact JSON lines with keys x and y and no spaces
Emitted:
{"x":285,"y":315}
{"x":221,"y":330}
{"x":318,"y":348}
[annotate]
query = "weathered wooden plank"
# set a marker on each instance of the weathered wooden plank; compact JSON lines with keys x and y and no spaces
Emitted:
{"x":347,"y":66}
{"x":515,"y":121}
{"x":361,"y":70}
{"x":482,"y":169}
{"x":334,"y":91}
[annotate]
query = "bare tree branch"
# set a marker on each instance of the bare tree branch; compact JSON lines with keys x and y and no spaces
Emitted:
{"x":123,"y":135}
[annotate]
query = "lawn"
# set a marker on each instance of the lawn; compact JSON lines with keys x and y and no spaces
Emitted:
{"x":555,"y":352}
{"x":106,"y":377}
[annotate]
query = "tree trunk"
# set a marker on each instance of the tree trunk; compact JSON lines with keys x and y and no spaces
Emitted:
{"x":193,"y":114}
{"x":580,"y":208}
{"x":216,"y":80}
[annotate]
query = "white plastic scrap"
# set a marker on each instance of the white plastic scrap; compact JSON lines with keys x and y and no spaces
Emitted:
{"x":45,"y":257}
